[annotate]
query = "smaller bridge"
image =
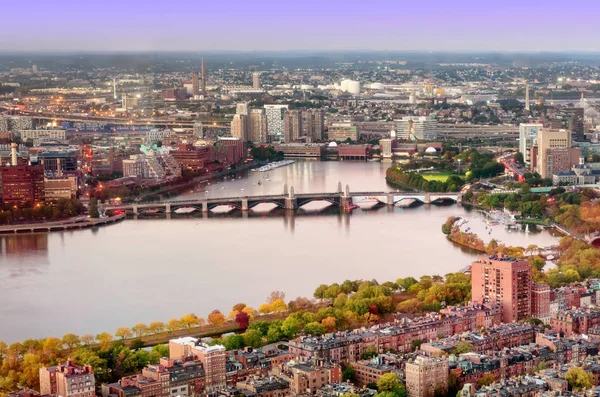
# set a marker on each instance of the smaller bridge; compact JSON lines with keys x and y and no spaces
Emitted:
{"x":288,"y":200}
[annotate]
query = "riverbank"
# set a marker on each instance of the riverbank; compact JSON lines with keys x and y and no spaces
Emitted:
{"x":68,"y":224}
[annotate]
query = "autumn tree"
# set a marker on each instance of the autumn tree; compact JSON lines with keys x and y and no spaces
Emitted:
{"x":71,"y":341}
{"x":156,"y":327}
{"x":486,"y":380}
{"x":579,"y":379}
{"x":123,"y":333}
{"x":276,"y":295}
{"x":238,"y":307}
{"x":242,"y":319}
{"x":329,"y":323}
{"x":278,"y":306}
{"x":105,"y":339}
{"x":173,"y":325}
{"x":139,"y":330}
{"x":216,"y":318}
{"x":189,"y":321}
{"x":87,"y":339}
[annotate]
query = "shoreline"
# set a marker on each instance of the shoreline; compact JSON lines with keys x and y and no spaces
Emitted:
{"x":58,"y":226}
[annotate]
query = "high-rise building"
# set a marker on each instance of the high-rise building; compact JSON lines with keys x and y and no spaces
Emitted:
{"x":550,"y":139}
{"x":213,"y":359}
{"x":575,"y":123}
{"x":417,"y":128}
{"x":314,"y":124}
{"x":241,"y":108}
{"x":505,"y":281}
{"x":528,"y":134}
{"x":540,"y":302}
{"x":527,"y":97}
{"x":258,"y":126}
{"x":195,"y":83}
{"x":240,"y":127}
{"x":292,"y":125}
{"x":256,"y":80}
{"x":34,"y":69}
{"x":561,"y":159}
{"x":68,"y":380}
{"x":343,"y":131}
{"x":22,"y":184}
{"x":203,"y":80}
{"x":275,"y":120}
{"x":426,"y":376}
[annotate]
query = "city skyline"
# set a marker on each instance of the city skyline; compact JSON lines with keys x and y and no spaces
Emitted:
{"x":380,"y":25}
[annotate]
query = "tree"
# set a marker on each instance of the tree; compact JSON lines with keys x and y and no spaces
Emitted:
{"x":173,"y":325}
{"x":71,"y":341}
{"x":93,"y":208}
{"x":189,"y":321}
{"x":463,"y":347}
{"x":216,"y":318}
{"x":238,"y":307}
{"x":87,"y":339}
{"x":123,"y":333}
{"x":139,"y":330}
{"x":314,"y":328}
{"x":276,"y":295}
{"x":242,"y":319}
{"x":156,"y":327}
{"x":52,"y":346}
{"x":234,"y":342}
{"x":329,"y":323}
{"x":518,"y":158}
{"x":388,"y":382}
{"x":265,"y":308}
{"x":486,"y":380}
{"x":252,"y":338}
{"x":105,"y":340}
{"x":278,"y":306}
{"x":249,"y":311}
{"x":579,"y":379}
{"x":30,"y":370}
{"x":349,"y":374}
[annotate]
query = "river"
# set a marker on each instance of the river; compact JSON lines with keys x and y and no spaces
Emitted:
{"x":89,"y":281}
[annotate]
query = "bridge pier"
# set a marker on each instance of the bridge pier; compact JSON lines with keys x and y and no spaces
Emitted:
{"x":345,"y":201}
{"x":291,"y":203}
{"x":390,"y":200}
{"x":427,"y":198}
{"x":245,"y":205}
{"x":168,"y":208}
{"x":205,"y":207}
{"x":459,"y":198}
{"x":135,"y":210}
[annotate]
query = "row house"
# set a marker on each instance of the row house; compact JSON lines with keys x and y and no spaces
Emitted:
{"x":577,"y":321}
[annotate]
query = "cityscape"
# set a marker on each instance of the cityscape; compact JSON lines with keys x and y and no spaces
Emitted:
{"x":267,"y":200}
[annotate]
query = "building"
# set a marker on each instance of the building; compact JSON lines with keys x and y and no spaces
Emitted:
{"x":192,"y":158}
{"x":354,"y":152}
{"x":242,"y":108}
{"x":301,"y":149}
{"x":314,"y":124}
{"x":580,"y":174}
{"x":547,"y":140}
{"x":305,"y":378}
{"x":417,"y":128}
{"x":258,"y":126}
{"x":561,"y":159}
{"x":275,"y":120}
{"x":68,"y":380}
{"x":22,"y":184}
{"x":58,"y":163}
{"x":213,"y":359}
{"x":58,"y":188}
{"x":343,"y":132}
{"x":528,"y":134}
{"x":425,"y":376}
{"x":155,"y":135}
{"x":575,"y":122}
{"x":195,"y":84}
{"x":540,"y":302}
{"x":256,"y":80}
{"x":292,"y":125}
{"x":55,"y":134}
{"x":152,"y":165}
{"x":240,"y":127}
{"x":505,"y":281}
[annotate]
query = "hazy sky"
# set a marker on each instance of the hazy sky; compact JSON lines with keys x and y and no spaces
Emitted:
{"x":31,"y":25}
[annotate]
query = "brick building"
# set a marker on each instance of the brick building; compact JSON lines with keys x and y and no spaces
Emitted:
{"x":540,"y":302}
{"x":68,"y":380}
{"x":22,"y":184}
{"x":426,"y":376}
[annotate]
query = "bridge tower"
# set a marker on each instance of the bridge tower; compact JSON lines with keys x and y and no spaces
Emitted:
{"x":345,"y":198}
{"x":285,"y":189}
{"x":339,"y":189}
{"x":291,"y":203}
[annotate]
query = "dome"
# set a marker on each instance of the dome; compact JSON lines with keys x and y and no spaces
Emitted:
{"x":430,"y":149}
{"x":440,"y":92}
{"x":333,"y":144}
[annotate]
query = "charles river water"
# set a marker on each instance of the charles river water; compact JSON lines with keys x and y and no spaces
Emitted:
{"x":154,"y":269}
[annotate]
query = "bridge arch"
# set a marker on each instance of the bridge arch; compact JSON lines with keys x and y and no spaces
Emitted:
{"x":595,"y":242}
{"x":331,"y":200}
{"x":255,"y":203}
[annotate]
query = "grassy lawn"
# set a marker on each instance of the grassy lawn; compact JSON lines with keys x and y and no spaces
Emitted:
{"x":437,"y":176}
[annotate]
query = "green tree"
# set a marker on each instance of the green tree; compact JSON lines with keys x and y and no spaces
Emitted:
{"x":349,"y":374}
{"x":314,"y":328}
{"x":93,"y":208}
{"x":486,"y":380}
{"x":123,"y":333}
{"x":388,"y":382}
{"x":71,"y":341}
{"x":252,"y":338}
{"x":463,"y":347}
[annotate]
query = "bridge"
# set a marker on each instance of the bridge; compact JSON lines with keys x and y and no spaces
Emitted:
{"x":290,"y":200}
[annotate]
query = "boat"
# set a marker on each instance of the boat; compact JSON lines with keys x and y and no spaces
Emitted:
{"x":222,"y":187}
{"x":527,"y":228}
{"x":242,"y":189}
{"x":350,"y":207}
{"x":259,"y":183}
{"x":492,"y":223}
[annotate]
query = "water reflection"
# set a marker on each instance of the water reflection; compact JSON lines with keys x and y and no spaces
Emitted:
{"x":22,"y":254}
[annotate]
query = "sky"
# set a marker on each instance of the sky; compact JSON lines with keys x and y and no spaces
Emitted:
{"x":274,"y":25}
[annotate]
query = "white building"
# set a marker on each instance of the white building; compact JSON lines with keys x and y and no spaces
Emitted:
{"x":57,"y":134}
{"x":275,"y":125}
{"x":153,"y":165}
{"x":415,"y":128}
{"x":528,"y":134}
{"x":156,"y":135}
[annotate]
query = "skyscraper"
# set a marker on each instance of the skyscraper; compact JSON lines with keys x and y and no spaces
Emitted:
{"x":528,"y":134}
{"x":575,"y":122}
{"x":241,"y":108}
{"x":527,"y":97}
{"x":505,"y":281}
{"x":239,"y":127}
{"x":314,"y":124}
{"x":203,"y":81}
{"x":292,"y":125}
{"x":275,"y":120}
{"x":258,"y":126}
{"x":256,"y":80}
{"x":195,"y":84}
{"x":547,"y":141}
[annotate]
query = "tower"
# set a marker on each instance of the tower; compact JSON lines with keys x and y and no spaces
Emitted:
{"x":195,"y":83}
{"x":115,"y":88}
{"x":527,"y":97}
{"x":13,"y":154}
{"x":256,"y":80}
{"x":203,"y":82}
